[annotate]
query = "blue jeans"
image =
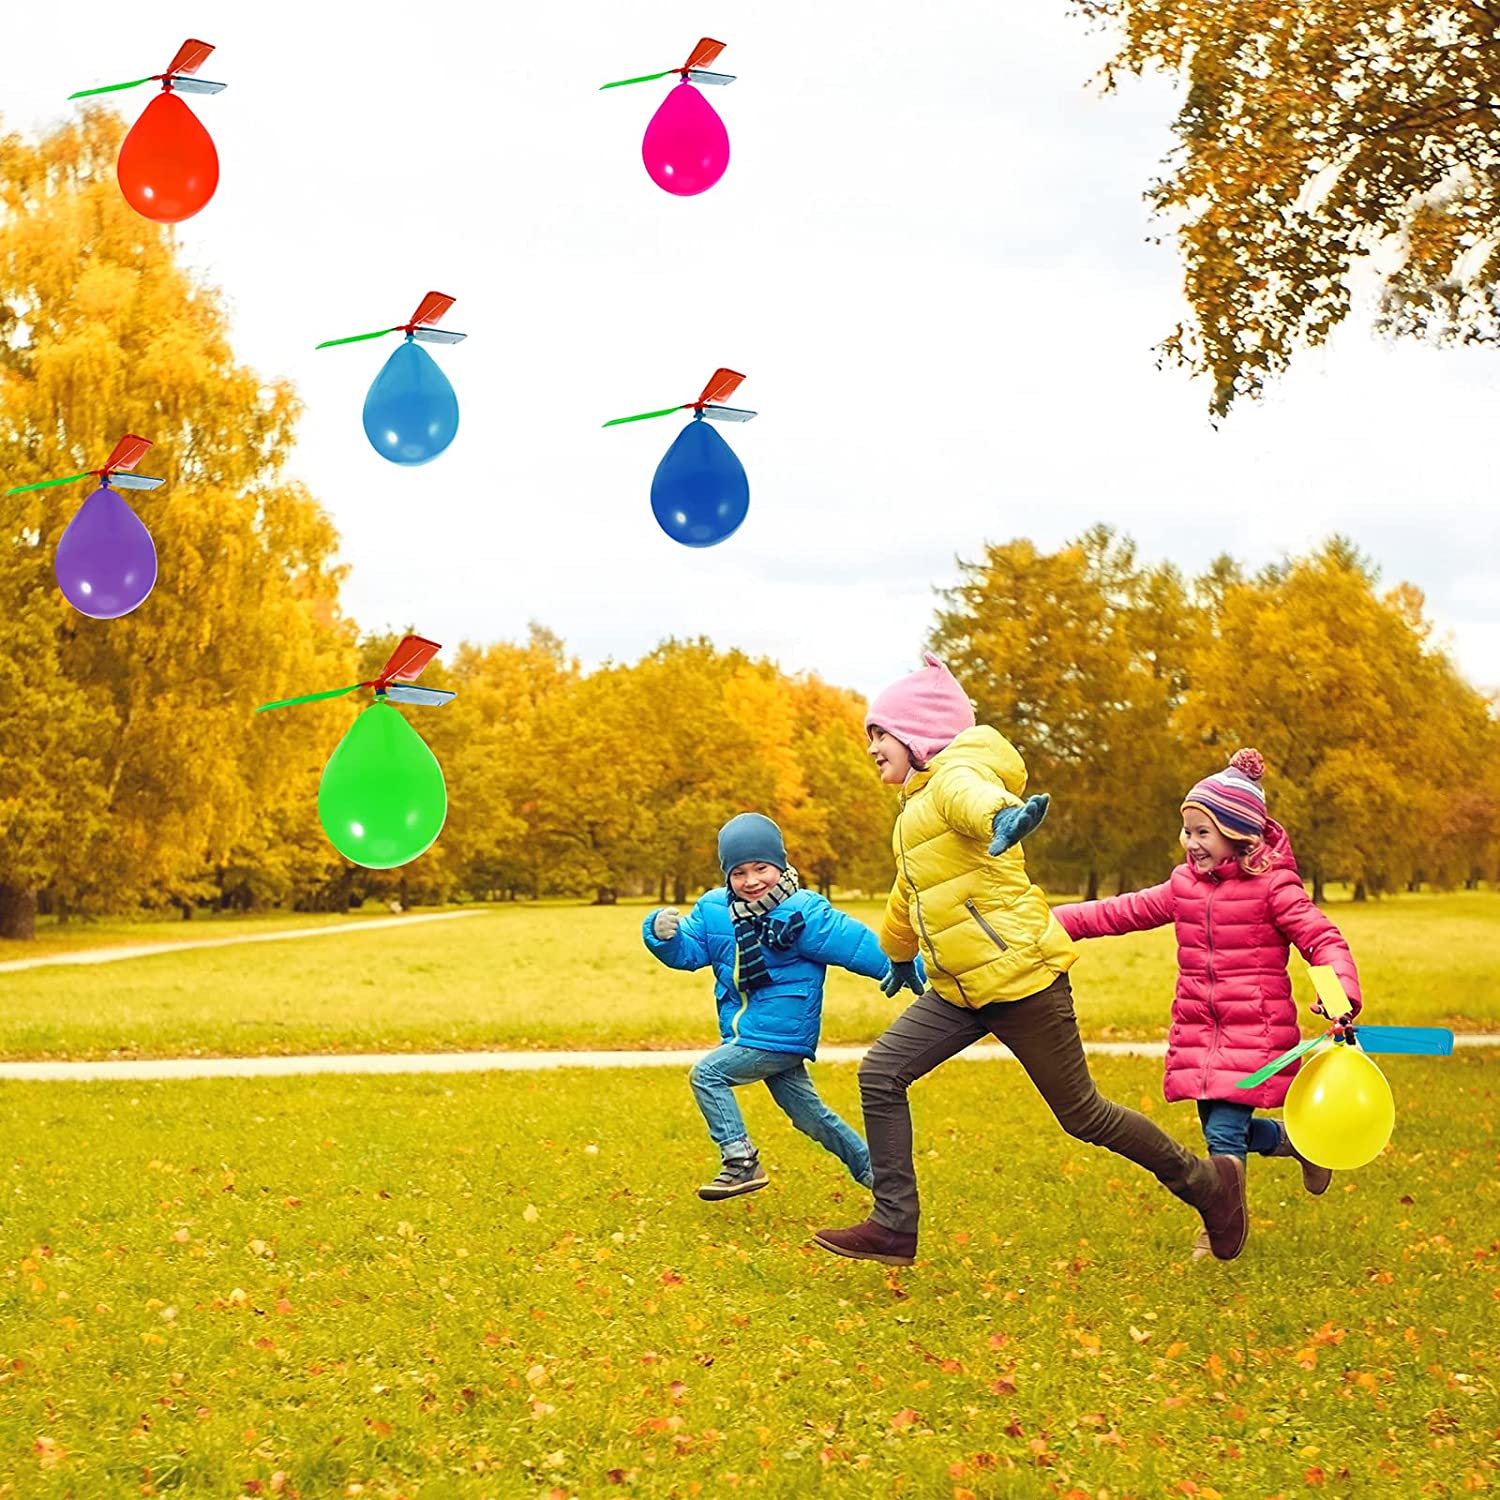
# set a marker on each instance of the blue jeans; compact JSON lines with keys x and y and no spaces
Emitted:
{"x":1231,"y":1129}
{"x":716,"y":1075}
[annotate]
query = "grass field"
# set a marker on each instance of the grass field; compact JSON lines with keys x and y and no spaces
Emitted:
{"x":565,"y":976}
{"x":505,"y":1286}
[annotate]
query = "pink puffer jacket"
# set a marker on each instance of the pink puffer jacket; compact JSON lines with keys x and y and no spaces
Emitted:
{"x":1233,"y":1011}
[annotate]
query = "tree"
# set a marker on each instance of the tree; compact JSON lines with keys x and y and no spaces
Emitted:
{"x":1311,"y":133}
{"x":1371,"y":737}
{"x":1078,"y":658}
{"x":144,"y":723}
{"x":843,"y":832}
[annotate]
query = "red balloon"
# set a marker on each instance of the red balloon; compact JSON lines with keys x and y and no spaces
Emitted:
{"x":168,"y":167}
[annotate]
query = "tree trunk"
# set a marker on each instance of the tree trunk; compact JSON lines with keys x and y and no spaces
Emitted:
{"x":1092,"y":893}
{"x":604,"y":896}
{"x":1360,"y":893}
{"x":679,"y":891}
{"x":1317,"y":881}
{"x":661,"y":890}
{"x":17,"y":913}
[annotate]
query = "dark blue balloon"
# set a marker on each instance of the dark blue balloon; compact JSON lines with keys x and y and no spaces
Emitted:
{"x":411,"y":413}
{"x":699,"y":494}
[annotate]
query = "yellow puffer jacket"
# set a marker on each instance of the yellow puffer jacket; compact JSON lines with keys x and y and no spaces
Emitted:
{"x":984,"y":930}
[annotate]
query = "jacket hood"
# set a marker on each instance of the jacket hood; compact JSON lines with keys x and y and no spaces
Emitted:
{"x":982,"y":748}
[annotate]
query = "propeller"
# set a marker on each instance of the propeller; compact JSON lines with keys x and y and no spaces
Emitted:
{"x":126,"y":454}
{"x":397,"y":680}
{"x":693,"y":69}
{"x":430,"y":310}
{"x":190,"y":56}
{"x":1411,"y":1041}
{"x":721,"y":384}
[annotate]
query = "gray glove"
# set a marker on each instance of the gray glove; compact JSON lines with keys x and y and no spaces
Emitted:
{"x":1012,"y":824}
{"x":904,"y":974}
{"x":664,"y":924}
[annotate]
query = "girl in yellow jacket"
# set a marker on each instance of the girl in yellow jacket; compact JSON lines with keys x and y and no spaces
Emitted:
{"x":997,"y":965}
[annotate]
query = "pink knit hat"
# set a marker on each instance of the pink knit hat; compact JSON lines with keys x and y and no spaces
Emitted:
{"x":926,"y":711}
{"x":1234,"y":798}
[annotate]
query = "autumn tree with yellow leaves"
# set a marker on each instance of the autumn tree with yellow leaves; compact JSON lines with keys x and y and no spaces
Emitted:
{"x":1316,"y":138}
{"x":127,"y":770}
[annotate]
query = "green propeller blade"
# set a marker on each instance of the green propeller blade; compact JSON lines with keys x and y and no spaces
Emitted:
{"x":645,"y":416}
{"x":620,"y":83}
{"x":1278,"y":1063}
{"x":47,"y":484}
{"x":110,"y":88}
{"x":311,"y":697}
{"x":358,"y":338}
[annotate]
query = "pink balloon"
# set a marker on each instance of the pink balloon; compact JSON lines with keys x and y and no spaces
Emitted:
{"x":686,"y":148}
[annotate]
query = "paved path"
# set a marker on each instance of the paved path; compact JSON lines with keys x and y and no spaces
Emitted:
{"x":146,"y":950}
{"x":483,"y":1062}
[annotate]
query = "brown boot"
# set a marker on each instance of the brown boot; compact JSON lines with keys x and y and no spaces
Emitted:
{"x":1314,"y":1178}
{"x":870,"y":1241}
{"x":1225,"y":1220}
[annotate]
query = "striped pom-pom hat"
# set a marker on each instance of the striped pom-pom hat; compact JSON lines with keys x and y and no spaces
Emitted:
{"x":1234,"y":797}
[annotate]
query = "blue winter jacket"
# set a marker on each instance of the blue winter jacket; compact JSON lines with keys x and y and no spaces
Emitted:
{"x":786,"y":1014}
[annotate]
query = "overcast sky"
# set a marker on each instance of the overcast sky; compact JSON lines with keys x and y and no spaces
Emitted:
{"x":929,"y":256}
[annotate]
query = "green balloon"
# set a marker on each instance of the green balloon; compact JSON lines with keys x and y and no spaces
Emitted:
{"x":382,"y":799}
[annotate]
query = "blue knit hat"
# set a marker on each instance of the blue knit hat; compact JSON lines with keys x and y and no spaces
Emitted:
{"x":750,"y":837}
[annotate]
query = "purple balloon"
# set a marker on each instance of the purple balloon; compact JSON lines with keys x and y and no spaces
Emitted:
{"x":106,"y":560}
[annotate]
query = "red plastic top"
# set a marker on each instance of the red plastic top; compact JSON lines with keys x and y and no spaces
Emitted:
{"x":722,"y":384}
{"x":430,"y":309}
{"x":126,"y":454}
{"x":703,"y":54}
{"x":190,"y":57}
{"x":412,"y":653}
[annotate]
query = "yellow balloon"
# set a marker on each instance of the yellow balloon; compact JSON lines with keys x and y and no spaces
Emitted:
{"x":1339,"y":1109}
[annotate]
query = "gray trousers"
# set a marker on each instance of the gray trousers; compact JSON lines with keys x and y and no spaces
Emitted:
{"x":1042,"y":1031}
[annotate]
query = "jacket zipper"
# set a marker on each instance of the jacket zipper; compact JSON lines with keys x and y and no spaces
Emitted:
{"x":744,"y":994}
{"x":1213,"y":1010}
{"x":916,"y":906}
{"x":973,"y":910}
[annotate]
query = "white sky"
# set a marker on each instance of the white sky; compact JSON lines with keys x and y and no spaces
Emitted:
{"x":928,"y":256}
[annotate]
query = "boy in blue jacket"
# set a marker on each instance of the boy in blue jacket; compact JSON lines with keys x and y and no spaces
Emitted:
{"x":770,"y":943}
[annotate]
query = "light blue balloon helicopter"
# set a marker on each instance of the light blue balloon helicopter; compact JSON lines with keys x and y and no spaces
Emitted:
{"x":411,"y":412}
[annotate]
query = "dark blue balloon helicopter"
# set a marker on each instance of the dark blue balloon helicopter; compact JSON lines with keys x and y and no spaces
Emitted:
{"x":699,"y":494}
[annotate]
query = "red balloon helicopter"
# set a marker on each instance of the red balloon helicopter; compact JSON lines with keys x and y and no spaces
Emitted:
{"x":168,"y":167}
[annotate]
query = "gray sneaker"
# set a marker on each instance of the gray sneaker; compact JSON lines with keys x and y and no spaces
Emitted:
{"x":739,"y":1174}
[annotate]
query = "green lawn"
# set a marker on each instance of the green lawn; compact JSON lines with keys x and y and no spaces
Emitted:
{"x":576,"y":976}
{"x":503,"y":1285}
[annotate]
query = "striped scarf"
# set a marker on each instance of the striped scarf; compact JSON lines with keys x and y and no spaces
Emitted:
{"x":753,"y":927}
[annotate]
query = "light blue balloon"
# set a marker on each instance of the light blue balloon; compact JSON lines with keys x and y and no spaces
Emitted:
{"x":411,"y":413}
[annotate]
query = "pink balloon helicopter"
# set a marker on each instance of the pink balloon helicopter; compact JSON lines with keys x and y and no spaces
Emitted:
{"x":686,"y":147}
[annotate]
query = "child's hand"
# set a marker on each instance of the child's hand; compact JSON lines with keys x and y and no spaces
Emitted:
{"x":1355,"y":1007}
{"x":1012,"y":824}
{"x":664,"y":924}
{"x":903,"y":974}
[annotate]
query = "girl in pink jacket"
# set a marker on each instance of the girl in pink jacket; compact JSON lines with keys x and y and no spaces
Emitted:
{"x":1238,"y":905}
